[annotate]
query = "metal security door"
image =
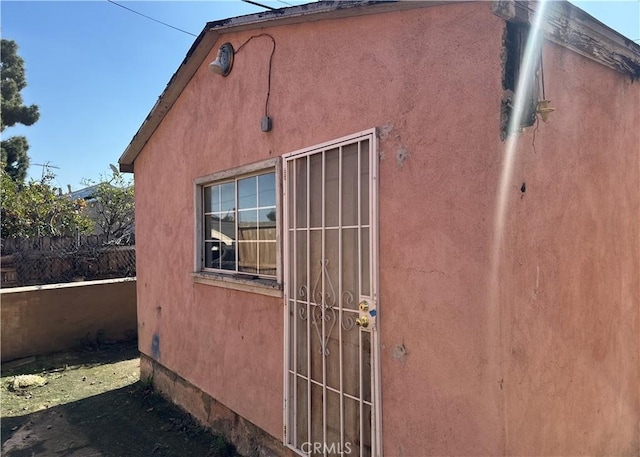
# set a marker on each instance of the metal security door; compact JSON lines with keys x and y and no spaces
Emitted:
{"x":331,"y":380}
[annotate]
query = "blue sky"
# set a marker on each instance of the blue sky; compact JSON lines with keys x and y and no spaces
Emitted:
{"x":95,"y":70}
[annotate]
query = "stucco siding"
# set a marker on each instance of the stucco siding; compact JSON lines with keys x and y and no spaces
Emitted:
{"x":570,"y":273}
{"x":545,"y":364}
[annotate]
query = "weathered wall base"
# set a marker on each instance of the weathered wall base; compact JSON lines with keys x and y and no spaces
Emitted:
{"x":249,"y":439}
{"x":43,"y":319}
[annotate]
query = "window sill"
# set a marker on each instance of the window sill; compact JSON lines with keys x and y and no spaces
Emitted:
{"x":257,"y":286}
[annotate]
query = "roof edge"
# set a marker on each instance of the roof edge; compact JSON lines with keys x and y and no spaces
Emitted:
{"x":569,"y":26}
{"x":212,"y":30}
{"x":320,"y":10}
{"x":566,"y":25}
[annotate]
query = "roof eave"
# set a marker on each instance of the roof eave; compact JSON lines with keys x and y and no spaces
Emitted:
{"x":211,"y":32}
{"x":585,"y":35}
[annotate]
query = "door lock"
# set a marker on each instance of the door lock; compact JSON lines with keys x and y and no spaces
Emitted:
{"x":364,"y":306}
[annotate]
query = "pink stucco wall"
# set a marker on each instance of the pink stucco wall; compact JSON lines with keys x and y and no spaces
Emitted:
{"x":570,"y":291}
{"x":550,"y":365}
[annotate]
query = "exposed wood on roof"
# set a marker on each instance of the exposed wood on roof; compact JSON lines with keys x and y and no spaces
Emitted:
{"x":566,"y":25}
{"x":574,"y":29}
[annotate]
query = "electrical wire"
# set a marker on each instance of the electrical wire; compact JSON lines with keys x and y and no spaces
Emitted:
{"x":544,"y":96}
{"x":258,"y":4}
{"x":150,"y":18}
{"x":273,"y":50}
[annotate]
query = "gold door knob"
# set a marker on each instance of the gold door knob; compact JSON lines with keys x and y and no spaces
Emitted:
{"x":362,"y":322}
{"x":364,"y":306}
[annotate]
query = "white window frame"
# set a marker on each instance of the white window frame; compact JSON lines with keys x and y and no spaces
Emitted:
{"x":232,"y":279}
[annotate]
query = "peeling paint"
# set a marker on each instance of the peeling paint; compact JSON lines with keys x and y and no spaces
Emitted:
{"x":401,"y":156}
{"x":399,"y":352}
{"x":383,"y":132}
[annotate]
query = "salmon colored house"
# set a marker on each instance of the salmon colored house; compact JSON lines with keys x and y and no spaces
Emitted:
{"x":397,"y":228}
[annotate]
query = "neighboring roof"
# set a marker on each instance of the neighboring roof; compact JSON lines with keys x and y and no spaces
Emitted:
{"x":84,"y":194}
{"x":87,"y":193}
{"x":568,"y":26}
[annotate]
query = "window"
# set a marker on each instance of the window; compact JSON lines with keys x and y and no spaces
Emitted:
{"x":237,"y":226}
{"x":240,"y":225}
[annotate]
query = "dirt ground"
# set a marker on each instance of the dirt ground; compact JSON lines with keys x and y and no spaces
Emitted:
{"x":94,"y":404}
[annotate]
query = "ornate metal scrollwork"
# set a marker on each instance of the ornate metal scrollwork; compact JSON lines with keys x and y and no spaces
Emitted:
{"x":347,"y":322}
{"x":326,"y":296}
{"x":328,"y":315}
{"x":347,"y":297}
{"x":324,"y":311}
{"x":324,"y":314}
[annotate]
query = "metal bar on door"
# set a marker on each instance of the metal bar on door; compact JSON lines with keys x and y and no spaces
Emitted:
{"x":323,"y":272}
{"x":359,"y":209}
{"x":287,"y":329}
{"x":292,"y":176}
{"x":340,"y":297}
{"x":308,"y":295}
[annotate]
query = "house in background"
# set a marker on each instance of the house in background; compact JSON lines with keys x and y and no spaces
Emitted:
{"x":112,"y":212}
{"x":356,"y":235}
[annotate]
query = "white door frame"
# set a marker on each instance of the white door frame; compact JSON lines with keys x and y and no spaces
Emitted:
{"x":372,"y":301}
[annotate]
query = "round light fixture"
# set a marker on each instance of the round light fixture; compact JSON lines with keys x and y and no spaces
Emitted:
{"x":224,"y":61}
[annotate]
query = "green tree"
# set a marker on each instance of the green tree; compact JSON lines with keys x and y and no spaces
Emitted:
{"x":14,"y":156}
{"x":113,"y":206}
{"x":36,"y":209}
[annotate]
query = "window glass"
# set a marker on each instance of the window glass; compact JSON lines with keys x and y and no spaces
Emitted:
{"x":248,"y":219}
{"x":212,"y":228}
{"x":240,"y":225}
{"x":211,"y":255}
{"x":248,"y":257}
{"x":228,"y":197}
{"x":228,"y":228}
{"x":228,"y":256}
{"x":267,"y":224}
{"x":212,"y":199}
{"x":247,"y":193}
{"x":267,"y":190}
{"x":267,"y":258}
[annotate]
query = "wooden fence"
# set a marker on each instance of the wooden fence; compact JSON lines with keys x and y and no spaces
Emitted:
{"x":50,"y":260}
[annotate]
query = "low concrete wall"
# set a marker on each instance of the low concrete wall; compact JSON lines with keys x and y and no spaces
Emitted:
{"x":42,"y":319}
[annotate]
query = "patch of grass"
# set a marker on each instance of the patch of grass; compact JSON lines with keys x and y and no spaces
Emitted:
{"x":95,"y":404}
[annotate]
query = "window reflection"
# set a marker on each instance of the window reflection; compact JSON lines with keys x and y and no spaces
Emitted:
{"x":248,"y":257}
{"x":228,"y":256}
{"x":267,"y":224}
{"x":247,"y":193}
{"x":267,"y":190}
{"x":240,"y":225}
{"x":267,"y":258}
{"x":227,"y":197}
{"x":248,"y":218}
{"x":212,"y":255}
